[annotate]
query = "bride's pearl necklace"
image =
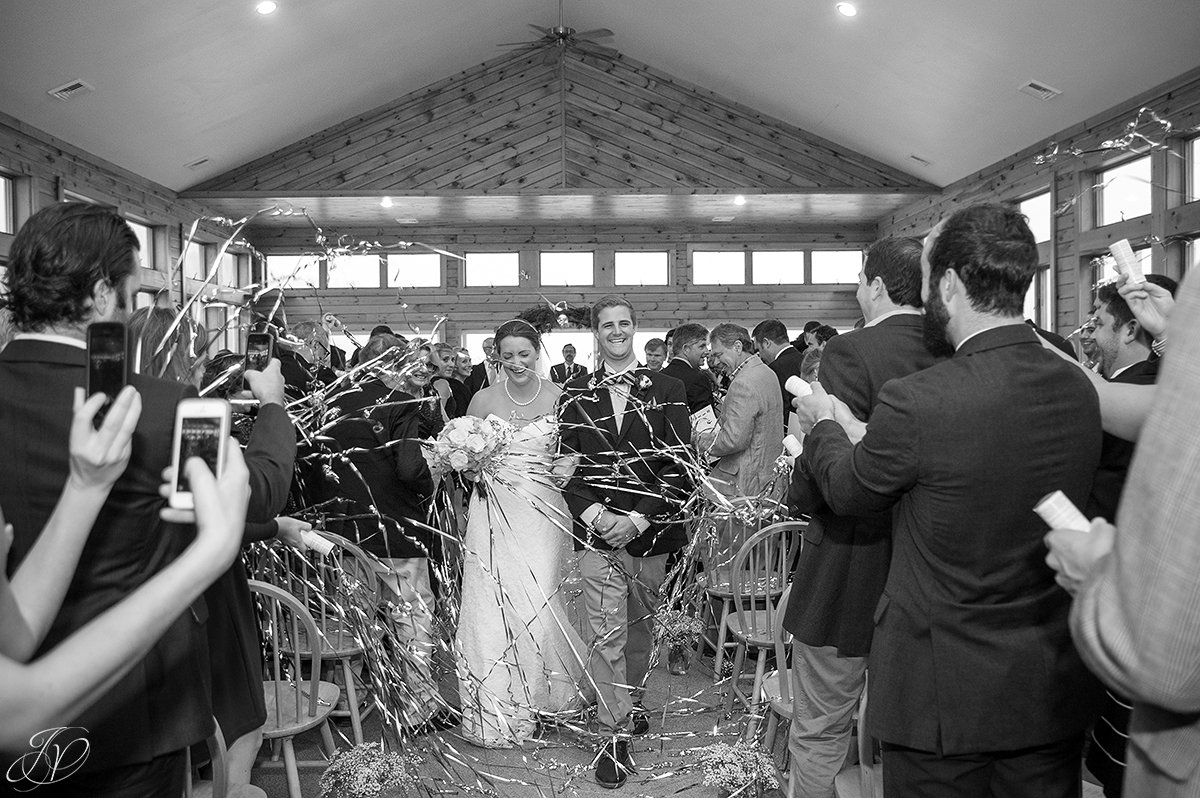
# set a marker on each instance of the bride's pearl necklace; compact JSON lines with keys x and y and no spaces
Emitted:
{"x":532,"y":399}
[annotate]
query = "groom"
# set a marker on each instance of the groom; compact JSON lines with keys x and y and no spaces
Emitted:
{"x":622,"y":422}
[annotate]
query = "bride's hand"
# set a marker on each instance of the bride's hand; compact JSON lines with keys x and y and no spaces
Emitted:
{"x":470,"y":476}
{"x":563,"y":468}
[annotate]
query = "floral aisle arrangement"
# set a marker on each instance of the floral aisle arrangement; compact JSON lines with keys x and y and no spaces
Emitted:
{"x":678,"y":630}
{"x":741,"y":770}
{"x":367,"y":771}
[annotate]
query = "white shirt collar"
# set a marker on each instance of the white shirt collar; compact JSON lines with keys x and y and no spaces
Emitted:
{"x":890,"y":313}
{"x":50,"y":338}
{"x":1123,"y":369}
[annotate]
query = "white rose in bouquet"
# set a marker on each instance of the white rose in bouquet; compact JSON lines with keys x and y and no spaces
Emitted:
{"x":459,"y":460}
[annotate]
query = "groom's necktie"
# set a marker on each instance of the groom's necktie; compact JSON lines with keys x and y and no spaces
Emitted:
{"x":618,"y":392}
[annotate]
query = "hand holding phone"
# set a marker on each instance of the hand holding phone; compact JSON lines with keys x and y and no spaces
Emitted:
{"x":220,"y":506}
{"x":201,"y":430}
{"x":99,"y":456}
{"x":259,"y":347}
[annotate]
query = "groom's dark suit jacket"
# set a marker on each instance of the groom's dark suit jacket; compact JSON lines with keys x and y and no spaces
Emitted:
{"x":628,"y":469}
{"x":163,"y":703}
{"x":844,"y":561}
{"x":971,"y":651}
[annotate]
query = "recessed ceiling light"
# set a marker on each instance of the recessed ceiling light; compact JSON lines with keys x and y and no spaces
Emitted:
{"x":266,"y":7}
{"x":386,"y":202}
{"x":846,"y":9}
{"x":402,"y":220}
{"x":722,"y":218}
{"x":739,"y":200}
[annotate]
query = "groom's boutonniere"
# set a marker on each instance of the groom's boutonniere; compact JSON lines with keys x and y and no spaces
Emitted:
{"x":641,"y":387}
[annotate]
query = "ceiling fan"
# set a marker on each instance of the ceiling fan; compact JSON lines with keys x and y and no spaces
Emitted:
{"x":557,"y":39}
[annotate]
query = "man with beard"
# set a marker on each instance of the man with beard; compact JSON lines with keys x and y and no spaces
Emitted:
{"x":976,"y":688}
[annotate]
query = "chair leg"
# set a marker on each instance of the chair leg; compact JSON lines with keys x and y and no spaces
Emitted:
{"x":327,"y":739}
{"x":731,"y":693}
{"x":753,"y":697}
{"x":276,"y":749}
{"x":772,"y":727}
{"x":352,"y":702}
{"x":722,"y":636}
{"x":293,"y":772}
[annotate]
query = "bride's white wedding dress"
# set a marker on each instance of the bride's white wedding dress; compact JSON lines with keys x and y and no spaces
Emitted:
{"x":517,"y":652}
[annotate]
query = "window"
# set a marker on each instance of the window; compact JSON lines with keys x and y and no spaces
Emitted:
{"x":836,"y":266}
{"x":353,"y":271}
{"x":415,"y":270}
{"x":1193,"y":170}
{"x":718,"y":268}
{"x":775,"y":268}
{"x":144,"y":299}
{"x":567,"y":268}
{"x":227,"y":270}
{"x":218,"y":334}
{"x":486,"y":269}
{"x":641,"y":268}
{"x":1124,"y":192}
{"x":7,"y":221}
{"x":145,"y":237}
{"x":194,"y":261}
{"x":292,"y":271}
{"x":1037,"y":211}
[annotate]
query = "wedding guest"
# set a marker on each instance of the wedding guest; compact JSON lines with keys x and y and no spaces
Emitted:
{"x":621,"y":423}
{"x":1136,"y":592}
{"x":183,"y":360}
{"x":747,"y":439}
{"x":810,"y":364}
{"x":690,"y":348}
{"x":72,"y":264}
{"x":378,"y":329}
{"x":656,"y":353}
{"x":304,"y":358}
{"x":462,"y":365}
{"x":843,"y":563}
{"x":484,"y":374}
{"x":562,"y":373}
{"x":1089,"y":352}
{"x":807,"y":337}
{"x":385,"y":487}
{"x":962,"y":703}
{"x":454,"y":400}
{"x":822,"y":336}
{"x":771,"y":338}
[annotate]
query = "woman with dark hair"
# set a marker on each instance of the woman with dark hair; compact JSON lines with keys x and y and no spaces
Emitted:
{"x":520,"y":656}
{"x":180,"y":359}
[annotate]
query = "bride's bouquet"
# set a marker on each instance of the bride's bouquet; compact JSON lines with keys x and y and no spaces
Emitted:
{"x":468,"y":444}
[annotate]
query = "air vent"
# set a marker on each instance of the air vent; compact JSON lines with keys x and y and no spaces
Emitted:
{"x":921,"y":160}
{"x":196,"y":164}
{"x":69,"y":90}
{"x":1039,"y":90}
{"x":408,"y":220}
{"x":722,"y":218}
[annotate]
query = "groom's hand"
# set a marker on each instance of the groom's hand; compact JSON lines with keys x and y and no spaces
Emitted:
{"x":621,"y":531}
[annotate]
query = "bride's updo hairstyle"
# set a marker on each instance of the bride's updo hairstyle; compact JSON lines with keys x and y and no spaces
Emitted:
{"x":518,"y":328}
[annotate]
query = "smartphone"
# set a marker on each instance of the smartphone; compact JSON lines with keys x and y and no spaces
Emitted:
{"x":259,"y":347}
{"x":201,"y":430}
{"x":107,"y":348}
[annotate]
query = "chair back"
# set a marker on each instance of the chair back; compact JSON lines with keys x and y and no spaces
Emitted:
{"x":286,"y":624}
{"x":868,"y":772}
{"x":217,"y":753}
{"x":759,"y":574}
{"x":783,"y":639}
{"x":722,"y":532}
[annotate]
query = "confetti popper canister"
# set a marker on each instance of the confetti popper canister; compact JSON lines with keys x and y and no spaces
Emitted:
{"x":1059,"y":512}
{"x":797,"y":387}
{"x":1126,"y":262}
{"x":792,"y":446}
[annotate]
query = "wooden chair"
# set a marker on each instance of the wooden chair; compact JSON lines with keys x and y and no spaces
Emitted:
{"x":758,"y":576}
{"x":720,"y":535}
{"x":295,"y":703}
{"x":216,"y":757}
{"x":328,"y":585}
{"x":777,"y":685}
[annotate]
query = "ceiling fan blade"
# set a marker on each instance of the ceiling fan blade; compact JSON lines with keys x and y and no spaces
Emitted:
{"x":551,"y":56}
{"x":598,"y":33}
{"x":519,"y":44}
{"x":540,"y":30}
{"x":598,"y":49}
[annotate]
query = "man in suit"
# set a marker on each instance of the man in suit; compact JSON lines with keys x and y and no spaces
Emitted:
{"x":844,"y":561}
{"x":72,"y":264}
{"x":484,"y":374}
{"x":622,"y":423}
{"x":656,"y":354}
{"x":746,"y":439}
{"x":976,"y":688}
{"x":771,"y":338}
{"x":1137,"y":596}
{"x":689,"y":348}
{"x":562,"y":373}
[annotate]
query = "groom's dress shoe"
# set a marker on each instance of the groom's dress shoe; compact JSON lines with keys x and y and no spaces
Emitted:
{"x":614,"y":765}
{"x":441,"y":720}
{"x":639,"y":721}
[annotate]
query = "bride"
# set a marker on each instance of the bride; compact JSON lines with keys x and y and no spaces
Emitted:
{"x":519,"y":657}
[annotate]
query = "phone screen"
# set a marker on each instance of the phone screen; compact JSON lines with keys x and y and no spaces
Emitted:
{"x":198,"y":437}
{"x":106,"y":362}
{"x":258,"y":351}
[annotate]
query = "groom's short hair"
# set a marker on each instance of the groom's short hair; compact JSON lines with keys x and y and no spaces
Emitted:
{"x":611,"y":301}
